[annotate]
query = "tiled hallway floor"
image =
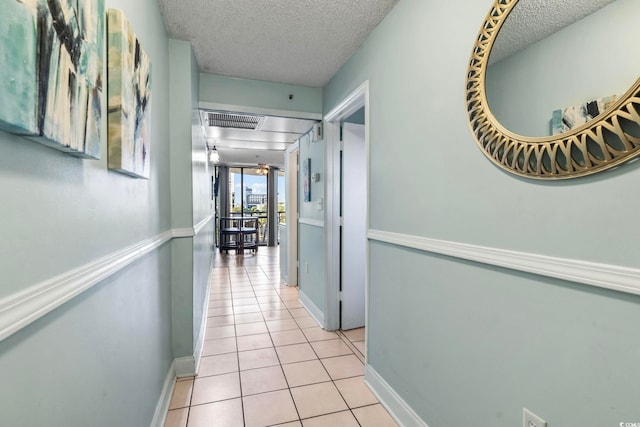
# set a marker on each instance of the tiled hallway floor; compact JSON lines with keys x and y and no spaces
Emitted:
{"x":266,"y":362}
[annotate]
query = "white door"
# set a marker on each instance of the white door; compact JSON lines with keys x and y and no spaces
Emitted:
{"x":354,"y":232}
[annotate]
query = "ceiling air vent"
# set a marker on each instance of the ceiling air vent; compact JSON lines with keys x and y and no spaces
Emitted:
{"x":235,"y":121}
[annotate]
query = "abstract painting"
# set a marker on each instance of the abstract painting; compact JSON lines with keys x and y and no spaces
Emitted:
{"x":129,"y":98}
{"x":51,"y":73}
{"x":572,"y":117}
{"x":306,"y":179}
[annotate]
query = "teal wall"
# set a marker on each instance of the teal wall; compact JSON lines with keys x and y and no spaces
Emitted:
{"x":554,"y":74}
{"x":203,"y":242}
{"x":182,"y":198}
{"x":259,"y":94}
{"x":311,"y":275}
{"x":315,"y":152}
{"x":460,"y":342}
{"x":311,"y":237}
{"x":192,"y":256}
{"x":100,"y":359}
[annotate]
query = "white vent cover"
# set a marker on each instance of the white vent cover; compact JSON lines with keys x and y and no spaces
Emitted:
{"x":236,"y":121}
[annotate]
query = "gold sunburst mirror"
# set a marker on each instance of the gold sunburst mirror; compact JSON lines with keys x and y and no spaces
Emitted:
{"x":607,"y":131}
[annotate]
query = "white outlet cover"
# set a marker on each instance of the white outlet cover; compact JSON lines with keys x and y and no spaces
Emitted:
{"x":529,"y":419}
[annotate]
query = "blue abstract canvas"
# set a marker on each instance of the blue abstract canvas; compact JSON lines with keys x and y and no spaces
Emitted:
{"x":129,"y":98}
{"x":51,"y":74}
{"x":18,"y":73}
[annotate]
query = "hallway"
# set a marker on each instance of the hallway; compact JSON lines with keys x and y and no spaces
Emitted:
{"x":266,"y":362}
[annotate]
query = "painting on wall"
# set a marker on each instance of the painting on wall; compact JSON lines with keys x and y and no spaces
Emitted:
{"x":572,"y":117}
{"x":51,"y":75}
{"x":129,"y":98}
{"x":306,"y":179}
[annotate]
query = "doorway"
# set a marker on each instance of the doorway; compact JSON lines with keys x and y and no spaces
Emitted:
{"x":353,"y":235}
{"x":289,"y":250}
{"x":347,"y":212}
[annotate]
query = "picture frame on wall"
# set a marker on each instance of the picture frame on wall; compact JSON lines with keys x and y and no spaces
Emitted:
{"x":52,"y":73}
{"x":306,"y":179}
{"x":129,"y":99}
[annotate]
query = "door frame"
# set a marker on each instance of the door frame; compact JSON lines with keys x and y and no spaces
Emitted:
{"x":332,"y":121}
{"x":291,"y":185}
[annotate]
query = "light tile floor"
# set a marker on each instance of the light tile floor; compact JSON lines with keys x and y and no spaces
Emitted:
{"x":266,"y":362}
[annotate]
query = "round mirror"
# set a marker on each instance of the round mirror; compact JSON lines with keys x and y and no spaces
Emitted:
{"x":548,"y":91}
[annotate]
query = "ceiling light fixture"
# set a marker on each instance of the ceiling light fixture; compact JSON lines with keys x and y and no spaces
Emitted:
{"x":262,"y":169}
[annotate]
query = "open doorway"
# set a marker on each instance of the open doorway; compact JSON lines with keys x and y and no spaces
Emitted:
{"x":346,"y":216}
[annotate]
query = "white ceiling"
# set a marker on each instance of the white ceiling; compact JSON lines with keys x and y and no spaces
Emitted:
{"x":533,"y":20}
{"x":301,"y":42}
{"x":305,"y":42}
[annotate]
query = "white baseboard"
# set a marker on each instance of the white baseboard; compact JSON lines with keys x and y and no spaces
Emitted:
{"x":185,"y":366}
{"x":314,"y":311}
{"x":397,"y":407}
{"x":199,"y":344}
{"x":160,"y":414}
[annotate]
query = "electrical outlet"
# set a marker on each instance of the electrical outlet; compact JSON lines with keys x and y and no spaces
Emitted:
{"x":532,"y":420}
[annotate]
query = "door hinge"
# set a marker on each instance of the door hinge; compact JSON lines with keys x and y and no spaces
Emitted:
{"x":339,"y":295}
{"x":341,"y":145}
{"x":341,"y":219}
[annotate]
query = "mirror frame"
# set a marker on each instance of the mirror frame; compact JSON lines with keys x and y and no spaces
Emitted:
{"x":600,"y":144}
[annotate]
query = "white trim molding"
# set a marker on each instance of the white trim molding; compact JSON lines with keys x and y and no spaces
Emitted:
{"x":201,"y":225}
{"x":162,"y":407}
{"x":199,"y":344}
{"x":180,"y":233}
{"x":397,"y":407}
{"x":191,"y":231}
{"x":185,"y":366}
{"x":314,"y":311}
{"x":24,"y":307}
{"x":607,"y":276}
{"x":312,"y":222}
{"x":333,"y":122}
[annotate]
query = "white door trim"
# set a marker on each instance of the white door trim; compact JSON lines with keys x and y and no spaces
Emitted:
{"x":291,"y":183}
{"x":352,"y":103}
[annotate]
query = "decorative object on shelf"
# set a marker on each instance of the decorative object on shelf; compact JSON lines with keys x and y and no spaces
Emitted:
{"x":51,"y":75}
{"x":601,"y":143}
{"x":306,"y":178}
{"x":262,"y":169}
{"x":129,"y":98}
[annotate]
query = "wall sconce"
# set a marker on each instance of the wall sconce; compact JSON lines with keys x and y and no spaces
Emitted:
{"x":214,"y":157}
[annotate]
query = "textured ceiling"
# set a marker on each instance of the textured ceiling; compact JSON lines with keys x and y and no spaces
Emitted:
{"x":533,"y":20}
{"x":300,"y":42}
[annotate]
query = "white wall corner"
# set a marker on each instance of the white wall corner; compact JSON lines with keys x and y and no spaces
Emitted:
{"x":314,"y":311}
{"x":185,"y":366}
{"x":162,"y":407}
{"x":397,"y":407}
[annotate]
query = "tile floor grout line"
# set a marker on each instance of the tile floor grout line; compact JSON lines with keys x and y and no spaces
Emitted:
{"x":235,"y":331}
{"x":247,"y":272}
